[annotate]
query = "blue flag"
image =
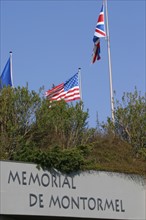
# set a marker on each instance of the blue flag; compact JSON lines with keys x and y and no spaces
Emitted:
{"x":5,"y":78}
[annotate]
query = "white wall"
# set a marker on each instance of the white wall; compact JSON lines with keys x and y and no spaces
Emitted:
{"x":25,"y":190}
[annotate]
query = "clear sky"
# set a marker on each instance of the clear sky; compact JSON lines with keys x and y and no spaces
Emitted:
{"x":50,"y":40}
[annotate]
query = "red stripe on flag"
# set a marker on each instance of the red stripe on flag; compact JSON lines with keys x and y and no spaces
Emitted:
{"x":70,"y":95}
{"x":55,"y":90}
{"x":101,"y":18}
{"x":100,"y":32}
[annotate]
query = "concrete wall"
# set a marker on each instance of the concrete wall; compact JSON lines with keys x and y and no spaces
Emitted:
{"x":25,"y":191}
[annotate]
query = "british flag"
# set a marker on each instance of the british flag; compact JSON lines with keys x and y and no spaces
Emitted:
{"x":99,"y":32}
{"x":96,"y":51}
{"x":100,"y":27}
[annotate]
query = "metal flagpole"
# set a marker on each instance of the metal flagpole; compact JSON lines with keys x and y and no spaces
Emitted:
{"x":11,"y":68}
{"x":80,"y":85}
{"x":109,"y":62}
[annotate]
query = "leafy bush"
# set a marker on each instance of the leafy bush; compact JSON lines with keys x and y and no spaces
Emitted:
{"x":130,"y":120}
{"x":56,"y":135}
{"x":66,"y":160}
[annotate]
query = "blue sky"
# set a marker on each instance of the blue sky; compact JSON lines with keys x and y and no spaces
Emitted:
{"x":50,"y":40}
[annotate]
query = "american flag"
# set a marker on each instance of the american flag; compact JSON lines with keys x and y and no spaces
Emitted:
{"x":69,"y":91}
{"x":99,"y":32}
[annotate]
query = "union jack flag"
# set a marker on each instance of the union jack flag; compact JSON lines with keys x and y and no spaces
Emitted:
{"x":96,"y":51}
{"x":99,"y":32}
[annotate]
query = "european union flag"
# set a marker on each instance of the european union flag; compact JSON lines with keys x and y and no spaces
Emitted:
{"x":5,"y":78}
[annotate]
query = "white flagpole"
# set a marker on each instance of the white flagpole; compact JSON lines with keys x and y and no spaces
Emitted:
{"x":80,"y":85}
{"x":11,"y":68}
{"x":109,"y":62}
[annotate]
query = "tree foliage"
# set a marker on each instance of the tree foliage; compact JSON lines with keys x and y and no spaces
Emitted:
{"x":60,"y":124}
{"x":17,"y":115}
{"x":130,"y":120}
{"x":26,"y":119}
{"x":56,"y":135}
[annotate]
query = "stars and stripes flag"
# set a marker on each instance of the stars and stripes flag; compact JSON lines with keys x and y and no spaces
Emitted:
{"x":69,"y":91}
{"x":99,"y":32}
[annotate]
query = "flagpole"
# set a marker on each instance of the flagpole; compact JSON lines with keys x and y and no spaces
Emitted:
{"x":80,"y":85}
{"x":109,"y":63}
{"x":11,"y":68}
